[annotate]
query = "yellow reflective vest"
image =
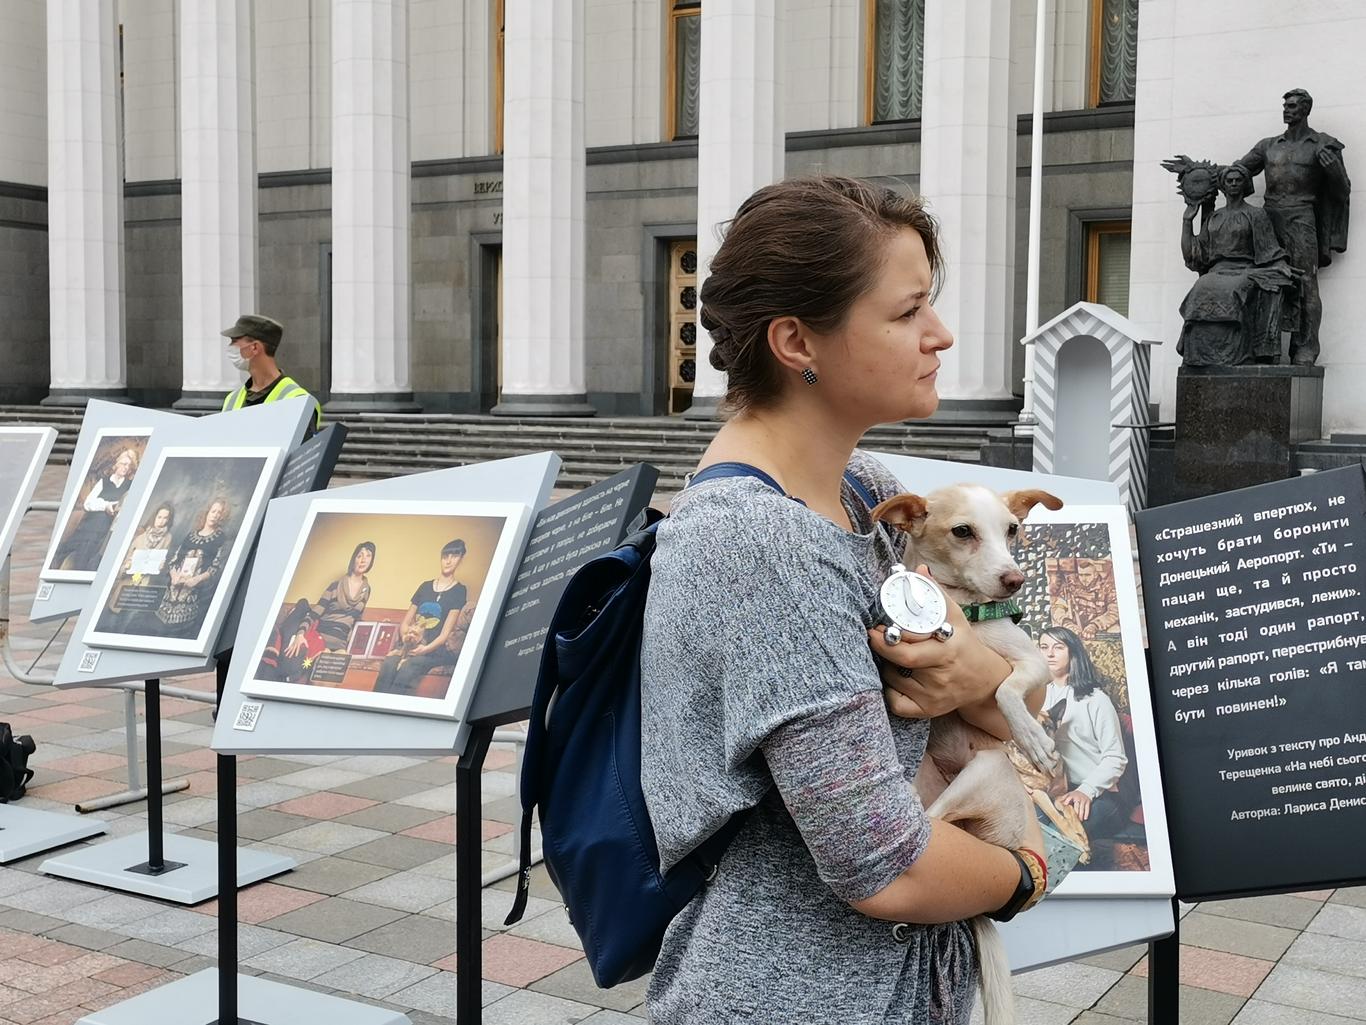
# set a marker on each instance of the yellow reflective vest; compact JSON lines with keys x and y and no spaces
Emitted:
{"x":285,"y":388}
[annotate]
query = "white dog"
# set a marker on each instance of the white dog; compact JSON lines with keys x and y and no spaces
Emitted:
{"x":963,"y":534}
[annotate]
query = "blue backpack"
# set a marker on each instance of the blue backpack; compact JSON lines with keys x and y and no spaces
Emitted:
{"x":582,"y":766}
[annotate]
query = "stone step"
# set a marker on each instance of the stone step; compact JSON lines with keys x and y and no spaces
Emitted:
{"x":1331,"y":453}
{"x":381,"y":445}
{"x":577,"y":472}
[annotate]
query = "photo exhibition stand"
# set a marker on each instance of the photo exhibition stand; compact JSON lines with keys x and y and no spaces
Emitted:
{"x":283,"y":727}
{"x":1062,"y":928}
{"x":153,"y":863}
{"x":1255,"y":609}
{"x":59,"y":600}
{"x":25,"y":832}
{"x":566,"y":535}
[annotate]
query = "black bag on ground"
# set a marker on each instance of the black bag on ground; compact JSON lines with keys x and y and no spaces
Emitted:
{"x":14,"y":771}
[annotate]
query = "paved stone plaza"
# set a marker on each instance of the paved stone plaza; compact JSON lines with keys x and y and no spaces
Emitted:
{"x":369,"y":912}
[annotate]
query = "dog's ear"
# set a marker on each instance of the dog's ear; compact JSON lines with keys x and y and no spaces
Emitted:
{"x":1056,"y":713}
{"x":1020,"y":502}
{"x":904,"y":511}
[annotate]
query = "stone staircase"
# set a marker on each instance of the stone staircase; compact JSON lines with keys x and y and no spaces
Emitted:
{"x":386,"y":445}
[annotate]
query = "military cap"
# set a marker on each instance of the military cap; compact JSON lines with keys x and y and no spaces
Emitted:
{"x":254,"y":325}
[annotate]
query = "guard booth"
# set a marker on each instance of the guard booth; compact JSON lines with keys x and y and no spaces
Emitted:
{"x":1091,"y":386}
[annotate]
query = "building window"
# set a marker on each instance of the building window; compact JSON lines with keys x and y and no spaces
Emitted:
{"x":1114,"y":51}
{"x":1107,"y":264}
{"x":498,"y":75}
{"x":895,"y":60}
{"x":682,"y":323}
{"x":685,"y":65}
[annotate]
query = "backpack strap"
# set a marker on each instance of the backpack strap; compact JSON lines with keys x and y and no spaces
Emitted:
{"x":719,"y":470}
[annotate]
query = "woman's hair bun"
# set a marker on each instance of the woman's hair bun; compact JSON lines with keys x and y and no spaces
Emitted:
{"x":722,"y":354}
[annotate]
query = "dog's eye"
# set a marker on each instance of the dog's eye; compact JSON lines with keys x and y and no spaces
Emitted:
{"x":962,"y":530}
{"x":1013,"y":530}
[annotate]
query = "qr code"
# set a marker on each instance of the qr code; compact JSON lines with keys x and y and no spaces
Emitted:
{"x":89,"y":661}
{"x":247,"y":715}
{"x":44,"y":591}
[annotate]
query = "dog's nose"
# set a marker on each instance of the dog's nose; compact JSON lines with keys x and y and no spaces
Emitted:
{"x":1012,"y":580}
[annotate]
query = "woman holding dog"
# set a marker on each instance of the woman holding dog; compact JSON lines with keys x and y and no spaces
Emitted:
{"x":1089,"y":738}
{"x":766,"y":683}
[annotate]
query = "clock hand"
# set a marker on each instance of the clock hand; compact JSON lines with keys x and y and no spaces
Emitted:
{"x":912,"y":602}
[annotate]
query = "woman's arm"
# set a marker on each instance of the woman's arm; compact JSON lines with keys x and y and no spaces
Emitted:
{"x":93,"y":502}
{"x":957,"y":876}
{"x":1099,"y":712}
{"x":436,"y":642}
{"x":842,"y":780}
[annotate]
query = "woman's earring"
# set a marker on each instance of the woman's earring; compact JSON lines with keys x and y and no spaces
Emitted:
{"x":809,"y":376}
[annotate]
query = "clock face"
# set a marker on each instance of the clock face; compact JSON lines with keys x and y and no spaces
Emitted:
{"x":913,"y":602}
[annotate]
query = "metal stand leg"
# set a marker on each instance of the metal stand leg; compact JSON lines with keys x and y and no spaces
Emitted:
{"x":1164,"y":975}
{"x":156,"y":862}
{"x":227,"y":877}
{"x":469,"y":929}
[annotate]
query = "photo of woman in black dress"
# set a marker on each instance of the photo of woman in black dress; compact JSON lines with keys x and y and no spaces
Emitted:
{"x":193,"y":568}
{"x":84,"y":544}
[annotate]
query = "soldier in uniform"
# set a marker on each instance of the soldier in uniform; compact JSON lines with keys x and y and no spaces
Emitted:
{"x":1082,"y":593}
{"x":252,"y":343}
{"x":1307,"y":192}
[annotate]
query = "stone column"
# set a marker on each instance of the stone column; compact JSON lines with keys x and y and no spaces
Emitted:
{"x":543,"y":210}
{"x":217,"y":193}
{"x":967,"y":162}
{"x":740,"y":145}
{"x":370,"y":206}
{"x":84,"y":203}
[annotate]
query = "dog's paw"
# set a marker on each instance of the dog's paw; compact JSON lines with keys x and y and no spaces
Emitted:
{"x":1038,"y":746}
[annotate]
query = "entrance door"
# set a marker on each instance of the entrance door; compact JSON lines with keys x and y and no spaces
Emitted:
{"x":488,"y":384}
{"x":682,"y":323}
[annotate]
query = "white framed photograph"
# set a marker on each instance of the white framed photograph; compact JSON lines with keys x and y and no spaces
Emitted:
{"x":1080,"y":605}
{"x":23,"y":451}
{"x":388,"y":606}
{"x":182,"y":550}
{"x":94,"y":497}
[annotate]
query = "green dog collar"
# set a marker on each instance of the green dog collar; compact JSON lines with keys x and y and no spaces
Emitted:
{"x":983,"y":611}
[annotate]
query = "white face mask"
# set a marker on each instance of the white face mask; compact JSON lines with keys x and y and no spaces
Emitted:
{"x":239,"y":361}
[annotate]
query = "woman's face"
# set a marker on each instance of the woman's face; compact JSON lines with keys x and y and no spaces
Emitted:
{"x":363,"y":560}
{"x":163,"y":518}
{"x":449,"y":563}
{"x":214,"y":516}
{"x":1234,"y":183}
{"x":123,"y":466}
{"x":1055,"y":653}
{"x":882,"y":364}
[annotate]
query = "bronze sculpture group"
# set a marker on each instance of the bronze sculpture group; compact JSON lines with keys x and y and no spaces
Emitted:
{"x":1259,"y":266}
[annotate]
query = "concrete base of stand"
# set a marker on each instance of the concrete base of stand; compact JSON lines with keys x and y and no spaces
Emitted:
{"x":114,"y":865}
{"x":193,"y":1000}
{"x":25,"y":832}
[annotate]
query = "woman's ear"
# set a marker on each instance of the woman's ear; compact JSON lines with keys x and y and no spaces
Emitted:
{"x":790,"y":344}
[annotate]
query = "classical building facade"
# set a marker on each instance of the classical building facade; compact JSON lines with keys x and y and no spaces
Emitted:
{"x":507,"y":205}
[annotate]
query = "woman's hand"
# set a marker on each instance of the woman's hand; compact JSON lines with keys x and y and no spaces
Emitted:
{"x":1078,"y":802}
{"x":948,"y":675}
{"x":296,"y":645}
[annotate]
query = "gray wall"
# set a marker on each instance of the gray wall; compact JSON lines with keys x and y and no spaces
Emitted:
{"x":639,"y":199}
{"x":23,"y":293}
{"x":151,"y":281}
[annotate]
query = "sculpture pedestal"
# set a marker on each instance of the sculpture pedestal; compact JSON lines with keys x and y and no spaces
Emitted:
{"x":1238,"y":426}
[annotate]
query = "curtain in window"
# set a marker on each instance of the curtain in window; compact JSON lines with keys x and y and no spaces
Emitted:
{"x":899,"y":52}
{"x":1118,"y":50}
{"x":1112,"y":274}
{"x":687,"y":75}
